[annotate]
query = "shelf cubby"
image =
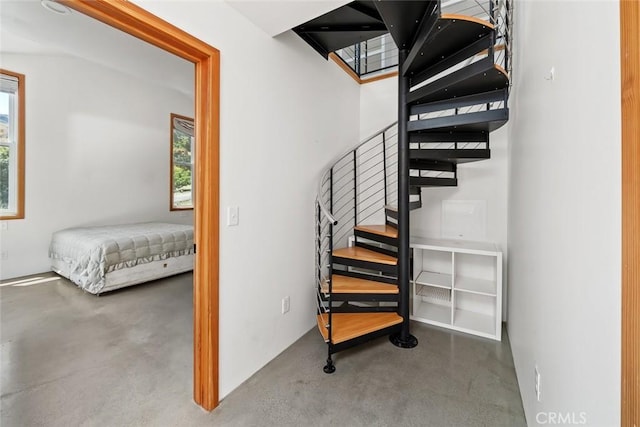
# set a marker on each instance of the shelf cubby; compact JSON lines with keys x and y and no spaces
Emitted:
{"x":458,"y":285}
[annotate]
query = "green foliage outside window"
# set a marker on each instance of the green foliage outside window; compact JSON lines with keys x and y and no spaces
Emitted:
{"x":4,"y":177}
{"x":182,"y":162}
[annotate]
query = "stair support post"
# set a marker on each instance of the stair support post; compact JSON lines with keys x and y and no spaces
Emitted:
{"x":384,"y":165}
{"x":403,"y":338}
{"x":330,"y":368}
{"x":355,"y":188}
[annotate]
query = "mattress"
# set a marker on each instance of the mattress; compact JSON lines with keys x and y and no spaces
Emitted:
{"x":85,"y":255}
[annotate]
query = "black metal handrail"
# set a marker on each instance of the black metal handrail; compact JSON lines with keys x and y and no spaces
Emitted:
{"x":353,"y":190}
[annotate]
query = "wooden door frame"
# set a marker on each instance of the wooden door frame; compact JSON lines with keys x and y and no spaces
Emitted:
{"x":630,"y":94}
{"x":134,"y":20}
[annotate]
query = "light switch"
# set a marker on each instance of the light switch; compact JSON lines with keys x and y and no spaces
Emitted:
{"x":232,"y":215}
{"x":4,"y":225}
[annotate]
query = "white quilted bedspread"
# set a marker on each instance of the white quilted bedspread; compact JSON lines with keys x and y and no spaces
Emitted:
{"x":92,"y":252}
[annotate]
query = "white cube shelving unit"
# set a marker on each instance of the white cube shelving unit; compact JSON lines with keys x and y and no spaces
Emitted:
{"x":458,"y":285}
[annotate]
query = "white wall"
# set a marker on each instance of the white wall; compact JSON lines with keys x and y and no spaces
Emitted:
{"x":485,"y":180}
{"x":285,"y":111}
{"x":378,"y":105}
{"x":565,"y":208}
{"x":97,"y":152}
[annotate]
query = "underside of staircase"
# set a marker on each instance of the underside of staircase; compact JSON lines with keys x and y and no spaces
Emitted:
{"x":451,"y":95}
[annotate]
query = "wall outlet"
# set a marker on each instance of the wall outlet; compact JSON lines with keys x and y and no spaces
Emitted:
{"x":537,"y":382}
{"x":4,"y":225}
{"x":286,"y":304}
{"x":4,"y":255}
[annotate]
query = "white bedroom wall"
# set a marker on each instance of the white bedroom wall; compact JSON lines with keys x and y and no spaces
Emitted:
{"x":565,"y":210}
{"x":485,"y":181}
{"x":97,"y":152}
{"x":285,"y":112}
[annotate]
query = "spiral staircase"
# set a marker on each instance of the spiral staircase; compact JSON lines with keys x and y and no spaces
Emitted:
{"x":453,"y":88}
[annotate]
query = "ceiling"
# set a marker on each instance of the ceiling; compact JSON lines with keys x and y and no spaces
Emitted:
{"x":278,"y":16}
{"x":27,"y":27}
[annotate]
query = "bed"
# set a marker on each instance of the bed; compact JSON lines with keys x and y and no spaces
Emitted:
{"x":101,"y":259}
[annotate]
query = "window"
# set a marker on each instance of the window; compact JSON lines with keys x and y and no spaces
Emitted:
{"x":182,"y":155}
{"x":11,"y":145}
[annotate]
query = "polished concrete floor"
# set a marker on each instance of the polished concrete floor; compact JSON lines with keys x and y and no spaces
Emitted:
{"x":124,"y":359}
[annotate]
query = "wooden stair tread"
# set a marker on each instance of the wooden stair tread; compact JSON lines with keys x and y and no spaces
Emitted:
{"x":354,"y":285}
{"x":363,"y":254}
{"x":456,"y":17}
{"x":381,"y":230}
{"x":347,"y":326}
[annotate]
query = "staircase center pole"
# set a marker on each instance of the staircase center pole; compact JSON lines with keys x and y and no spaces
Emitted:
{"x":403,"y":338}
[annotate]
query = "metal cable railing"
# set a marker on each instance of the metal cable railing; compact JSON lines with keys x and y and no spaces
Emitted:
{"x":352,"y":191}
{"x":371,"y":56}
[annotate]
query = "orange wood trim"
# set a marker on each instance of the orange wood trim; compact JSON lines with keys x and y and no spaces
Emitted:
{"x":355,"y":76}
{"x":501,"y":69}
{"x":630,"y":81}
{"x":379,"y":77}
{"x":496,"y":48}
{"x":345,"y":67}
{"x":21,"y":145}
{"x":138,"y":22}
{"x":171,"y":205}
{"x":452,"y":16}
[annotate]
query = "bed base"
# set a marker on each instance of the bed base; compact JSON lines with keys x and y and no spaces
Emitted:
{"x":135,"y":275}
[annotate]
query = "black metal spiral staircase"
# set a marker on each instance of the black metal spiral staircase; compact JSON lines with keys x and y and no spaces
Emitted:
{"x":452,"y":94}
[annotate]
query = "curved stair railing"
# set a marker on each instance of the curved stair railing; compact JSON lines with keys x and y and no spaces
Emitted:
{"x":359,"y":182}
{"x":352,"y":191}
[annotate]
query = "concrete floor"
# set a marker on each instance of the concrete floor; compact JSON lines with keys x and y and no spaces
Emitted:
{"x":124,"y":359}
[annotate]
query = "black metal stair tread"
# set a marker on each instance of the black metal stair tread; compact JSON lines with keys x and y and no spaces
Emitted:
{"x":342,"y":27}
{"x":449,"y":137}
{"x":433,"y":182}
{"x":363,"y":254}
{"x":429,"y":164}
{"x":482,"y":98}
{"x":336,"y":40}
{"x":451,"y":34}
{"x":481,"y":121}
{"x":452,"y":155}
{"x":353,"y":285}
{"x":479,"y":77}
{"x":392,"y":211}
{"x":404,"y":18}
{"x":347,"y":326}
